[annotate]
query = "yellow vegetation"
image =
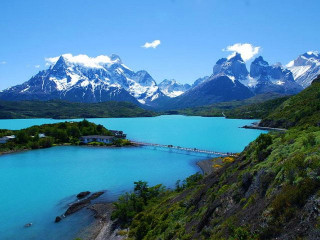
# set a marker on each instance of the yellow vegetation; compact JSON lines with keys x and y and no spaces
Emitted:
{"x":216,"y":166}
{"x":228,"y":160}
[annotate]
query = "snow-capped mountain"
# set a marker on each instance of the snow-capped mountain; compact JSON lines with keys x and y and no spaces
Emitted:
{"x":264,"y":78}
{"x":105,"y":78}
{"x":305,"y":68}
{"x":223,"y":85}
{"x":231,"y":80}
{"x":234,"y":67}
{"x":172,"y":88}
{"x":84,"y":79}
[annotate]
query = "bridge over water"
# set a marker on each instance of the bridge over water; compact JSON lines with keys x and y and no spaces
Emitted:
{"x":185,"y":149}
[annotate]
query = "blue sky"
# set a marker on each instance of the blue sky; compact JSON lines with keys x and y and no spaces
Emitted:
{"x":192,"y":33}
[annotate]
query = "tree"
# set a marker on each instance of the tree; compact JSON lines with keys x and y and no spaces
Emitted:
{"x":141,"y":190}
{"x":45,"y":142}
{"x":22,"y":137}
{"x":100,"y":129}
{"x":74,"y":131}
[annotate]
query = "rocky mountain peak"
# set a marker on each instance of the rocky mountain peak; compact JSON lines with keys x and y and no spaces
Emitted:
{"x":236,"y":57}
{"x":234,"y":67}
{"x":171,"y":88}
{"x":115,"y":58}
{"x":258,"y":67}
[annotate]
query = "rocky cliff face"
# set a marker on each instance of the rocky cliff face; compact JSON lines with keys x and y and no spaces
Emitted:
{"x":264,"y":78}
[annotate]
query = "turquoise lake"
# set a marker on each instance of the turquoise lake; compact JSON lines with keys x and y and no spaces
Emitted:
{"x":38,"y":185}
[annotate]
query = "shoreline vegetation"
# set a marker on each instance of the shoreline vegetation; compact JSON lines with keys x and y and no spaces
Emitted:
{"x":57,"y":134}
{"x":57,"y":109}
{"x":256,"y":107}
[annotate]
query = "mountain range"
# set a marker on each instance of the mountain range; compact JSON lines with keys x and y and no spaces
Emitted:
{"x":105,"y":78}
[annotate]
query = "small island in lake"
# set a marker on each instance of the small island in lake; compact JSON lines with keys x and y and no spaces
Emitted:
{"x":64,"y":133}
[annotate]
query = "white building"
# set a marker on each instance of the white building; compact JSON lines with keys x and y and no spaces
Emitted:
{"x":5,"y":139}
{"x":97,"y":138}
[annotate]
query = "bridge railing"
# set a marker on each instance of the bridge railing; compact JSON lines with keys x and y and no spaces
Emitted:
{"x":184,"y":148}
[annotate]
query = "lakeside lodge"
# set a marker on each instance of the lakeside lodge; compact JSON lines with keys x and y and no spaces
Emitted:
{"x":103,"y":139}
{"x":97,"y":138}
{"x":5,"y":139}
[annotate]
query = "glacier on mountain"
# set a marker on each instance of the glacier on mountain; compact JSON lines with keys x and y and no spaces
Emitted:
{"x":305,"y":68}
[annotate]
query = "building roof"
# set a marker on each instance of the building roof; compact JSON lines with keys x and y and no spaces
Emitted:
{"x":7,"y":137}
{"x":98,"y":136}
{"x":116,"y":131}
{"x":11,"y":137}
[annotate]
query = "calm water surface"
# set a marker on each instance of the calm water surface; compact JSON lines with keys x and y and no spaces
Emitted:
{"x":36,"y":186}
{"x":218,"y":134}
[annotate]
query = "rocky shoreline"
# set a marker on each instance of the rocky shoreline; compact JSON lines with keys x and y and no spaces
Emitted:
{"x":255,"y":125}
{"x":206,"y":166}
{"x":102,"y":227}
{"x":63,"y":145}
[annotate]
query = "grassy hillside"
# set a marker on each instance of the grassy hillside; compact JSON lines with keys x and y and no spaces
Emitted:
{"x":256,"y":107}
{"x":270,"y":191}
{"x":62,"y":109}
{"x":301,"y":109}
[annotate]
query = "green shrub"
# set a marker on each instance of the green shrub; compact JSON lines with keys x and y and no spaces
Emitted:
{"x":46,"y":142}
{"x":293,"y":196}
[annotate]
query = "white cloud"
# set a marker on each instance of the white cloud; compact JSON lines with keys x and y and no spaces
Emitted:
{"x":246,"y":50}
{"x":51,"y":61}
{"x":37,"y":66}
{"x":84,"y":60}
{"x":3,"y":62}
{"x":153,"y":44}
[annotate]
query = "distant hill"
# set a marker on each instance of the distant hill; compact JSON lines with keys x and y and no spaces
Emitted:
{"x":255,"y":107}
{"x":63,"y":109}
{"x":301,"y":109}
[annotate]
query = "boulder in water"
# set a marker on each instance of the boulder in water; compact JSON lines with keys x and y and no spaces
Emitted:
{"x":83,"y":194}
{"x":58,"y":219}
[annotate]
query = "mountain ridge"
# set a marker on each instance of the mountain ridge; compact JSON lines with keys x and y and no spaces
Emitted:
{"x":82,"y":78}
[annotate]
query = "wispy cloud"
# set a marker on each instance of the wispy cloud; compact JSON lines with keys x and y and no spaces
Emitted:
{"x":3,"y":62}
{"x":153,"y":44}
{"x":82,"y":59}
{"x":37,"y":66}
{"x":51,"y":60}
{"x":246,"y":50}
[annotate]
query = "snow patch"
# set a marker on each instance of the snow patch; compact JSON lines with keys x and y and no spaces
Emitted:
{"x":233,"y":79}
{"x":249,"y":82}
{"x":26,"y":89}
{"x":298,"y":71}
